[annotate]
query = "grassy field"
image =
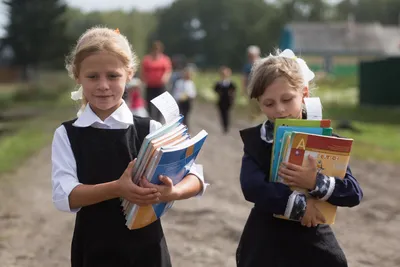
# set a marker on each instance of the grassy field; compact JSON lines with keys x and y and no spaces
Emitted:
{"x":31,"y":134}
{"x":44,"y":105}
{"x":379,"y":127}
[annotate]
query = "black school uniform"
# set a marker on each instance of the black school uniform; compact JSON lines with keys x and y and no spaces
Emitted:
{"x":100,"y":236}
{"x":269,"y":241}
{"x":226,"y":95}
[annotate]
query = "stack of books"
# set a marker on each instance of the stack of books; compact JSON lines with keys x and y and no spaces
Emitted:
{"x":169,"y":151}
{"x":295,"y":140}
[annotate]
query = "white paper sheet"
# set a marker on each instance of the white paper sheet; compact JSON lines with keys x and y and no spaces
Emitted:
{"x":167,"y":105}
{"x":313,"y":107}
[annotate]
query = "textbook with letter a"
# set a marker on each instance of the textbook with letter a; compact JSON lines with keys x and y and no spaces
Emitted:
{"x":332,"y":155}
{"x":169,"y":151}
{"x":321,"y":127}
{"x":295,"y":140}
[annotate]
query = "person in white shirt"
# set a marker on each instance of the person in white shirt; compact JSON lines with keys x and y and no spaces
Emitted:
{"x":93,"y":157}
{"x":184,"y":93}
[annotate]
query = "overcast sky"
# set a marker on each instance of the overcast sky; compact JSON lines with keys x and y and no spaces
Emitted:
{"x":89,"y":5}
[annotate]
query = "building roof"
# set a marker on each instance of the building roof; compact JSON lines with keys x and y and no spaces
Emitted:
{"x":345,"y":38}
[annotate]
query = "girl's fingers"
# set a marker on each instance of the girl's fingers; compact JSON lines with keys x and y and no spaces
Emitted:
{"x":314,"y":222}
{"x":288,"y":172}
{"x":145,"y":183}
{"x":129,"y":169}
{"x":285,"y":176}
{"x":292,"y":166}
{"x":311,"y":161}
{"x":143,"y":191}
{"x":150,"y":199}
{"x":166,"y":180}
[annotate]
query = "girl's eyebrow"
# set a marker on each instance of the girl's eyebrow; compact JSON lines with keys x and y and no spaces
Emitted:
{"x":268,"y":99}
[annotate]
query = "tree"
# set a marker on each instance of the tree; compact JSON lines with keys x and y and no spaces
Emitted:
{"x":216,"y":32}
{"x":36,"y":32}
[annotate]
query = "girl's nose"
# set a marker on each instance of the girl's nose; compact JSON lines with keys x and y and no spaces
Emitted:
{"x":280,"y":109}
{"x":103,"y":84}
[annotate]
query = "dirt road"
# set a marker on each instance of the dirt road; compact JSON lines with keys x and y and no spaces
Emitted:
{"x":201,"y":231}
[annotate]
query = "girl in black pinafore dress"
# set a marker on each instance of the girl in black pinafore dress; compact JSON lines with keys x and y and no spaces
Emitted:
{"x":93,"y":157}
{"x":279,"y":83}
{"x":225,"y":90}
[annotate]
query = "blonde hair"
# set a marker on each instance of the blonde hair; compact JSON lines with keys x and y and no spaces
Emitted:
{"x":99,"y":39}
{"x":266,"y":70}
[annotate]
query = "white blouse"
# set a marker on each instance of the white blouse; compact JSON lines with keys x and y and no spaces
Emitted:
{"x":64,"y":173}
{"x":184,"y":88}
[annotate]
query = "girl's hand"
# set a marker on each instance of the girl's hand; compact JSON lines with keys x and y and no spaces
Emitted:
{"x":312,"y":217}
{"x":134,"y":193}
{"x":299,"y":176}
{"x":167,"y":190}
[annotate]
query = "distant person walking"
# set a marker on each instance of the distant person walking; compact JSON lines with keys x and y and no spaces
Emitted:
{"x":226,"y":92}
{"x":155,"y":73}
{"x":253,"y":54}
{"x":184,"y":93}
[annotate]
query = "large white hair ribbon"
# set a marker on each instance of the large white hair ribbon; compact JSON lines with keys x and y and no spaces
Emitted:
{"x":312,"y":104}
{"x":78,"y":94}
{"x":308,"y":75}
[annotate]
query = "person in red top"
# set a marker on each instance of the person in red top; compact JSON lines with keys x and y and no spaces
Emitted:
{"x":155,"y":73}
{"x":136,"y":103}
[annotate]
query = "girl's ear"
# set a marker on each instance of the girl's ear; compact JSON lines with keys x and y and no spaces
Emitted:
{"x":306,"y":92}
{"x":130,"y":75}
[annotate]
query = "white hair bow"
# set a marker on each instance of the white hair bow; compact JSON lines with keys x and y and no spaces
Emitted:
{"x":308,"y":75}
{"x":77,"y":95}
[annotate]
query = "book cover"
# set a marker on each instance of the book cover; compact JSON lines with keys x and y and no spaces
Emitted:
{"x":169,"y":151}
{"x":174,"y":162}
{"x":276,"y":160}
{"x":324,"y":123}
{"x":151,"y":157}
{"x":332,"y":155}
{"x":153,"y":135}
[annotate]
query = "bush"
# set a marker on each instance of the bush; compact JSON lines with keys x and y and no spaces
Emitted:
{"x":6,"y":99}
{"x":39,"y":91}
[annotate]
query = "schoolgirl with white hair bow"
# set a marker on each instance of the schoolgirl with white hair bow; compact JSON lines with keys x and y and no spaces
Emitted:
{"x":280,"y":83}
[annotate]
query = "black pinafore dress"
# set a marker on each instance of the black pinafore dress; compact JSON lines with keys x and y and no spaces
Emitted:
{"x":100,"y":236}
{"x":268,"y":241}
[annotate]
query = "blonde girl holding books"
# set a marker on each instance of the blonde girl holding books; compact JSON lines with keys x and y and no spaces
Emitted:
{"x":280,"y":83}
{"x":93,"y":156}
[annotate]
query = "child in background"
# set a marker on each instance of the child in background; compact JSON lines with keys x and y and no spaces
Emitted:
{"x":136,"y":101}
{"x":93,"y":157}
{"x":184,"y":93}
{"x":226,"y":91}
{"x":280,"y":83}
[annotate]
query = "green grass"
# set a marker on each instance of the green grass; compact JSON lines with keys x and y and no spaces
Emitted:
{"x":15,"y":148}
{"x":48,"y":96}
{"x":33,"y":134}
{"x":379,"y":142}
{"x":379,"y":137}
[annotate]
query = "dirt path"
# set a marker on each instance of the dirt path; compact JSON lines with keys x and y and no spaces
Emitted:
{"x":201,"y":231}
